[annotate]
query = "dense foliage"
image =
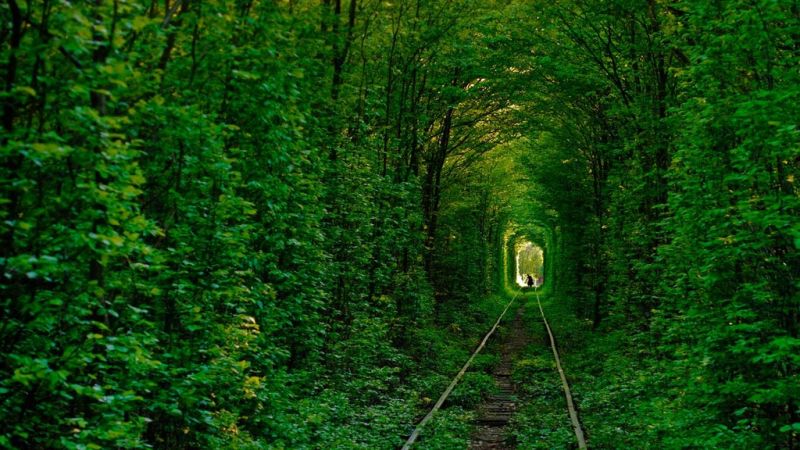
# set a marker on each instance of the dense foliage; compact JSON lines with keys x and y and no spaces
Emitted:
{"x":668,"y":145}
{"x":248,"y":224}
{"x":213,"y":223}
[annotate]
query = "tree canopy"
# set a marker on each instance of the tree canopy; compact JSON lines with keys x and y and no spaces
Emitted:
{"x":280,"y":224}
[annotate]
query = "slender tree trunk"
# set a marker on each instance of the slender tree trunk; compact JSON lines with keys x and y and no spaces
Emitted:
{"x":340,"y":54}
{"x":432,"y":188}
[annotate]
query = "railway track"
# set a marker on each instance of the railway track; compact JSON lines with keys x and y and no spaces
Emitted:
{"x":498,"y":409}
{"x":496,"y":412}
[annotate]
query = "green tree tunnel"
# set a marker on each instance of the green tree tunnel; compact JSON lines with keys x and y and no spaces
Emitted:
{"x":248,"y":224}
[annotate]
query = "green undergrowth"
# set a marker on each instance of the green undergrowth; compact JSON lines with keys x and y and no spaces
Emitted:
{"x":611,"y":386}
{"x":449,"y":345}
{"x":378,"y":403}
{"x":624,"y":394}
{"x":541,"y":420}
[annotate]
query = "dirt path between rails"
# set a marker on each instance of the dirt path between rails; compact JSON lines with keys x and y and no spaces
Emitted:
{"x":497,"y":410}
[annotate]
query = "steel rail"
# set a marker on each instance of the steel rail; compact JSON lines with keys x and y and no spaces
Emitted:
{"x":573,"y":414}
{"x":455,"y":381}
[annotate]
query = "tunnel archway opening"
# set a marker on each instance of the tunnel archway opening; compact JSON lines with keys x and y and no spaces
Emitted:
{"x":529,"y":263}
{"x":529,"y":249}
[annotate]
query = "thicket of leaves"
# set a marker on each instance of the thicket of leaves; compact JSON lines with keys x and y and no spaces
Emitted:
{"x":242,"y":224}
{"x":217,"y":218}
{"x":667,"y":142}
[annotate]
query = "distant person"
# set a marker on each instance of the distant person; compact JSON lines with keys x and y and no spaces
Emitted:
{"x":529,"y":281}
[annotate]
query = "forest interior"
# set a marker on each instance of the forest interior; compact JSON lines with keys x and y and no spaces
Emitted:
{"x":287,"y":224}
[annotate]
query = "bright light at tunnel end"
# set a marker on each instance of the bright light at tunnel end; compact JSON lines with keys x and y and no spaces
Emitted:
{"x":529,"y":261}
